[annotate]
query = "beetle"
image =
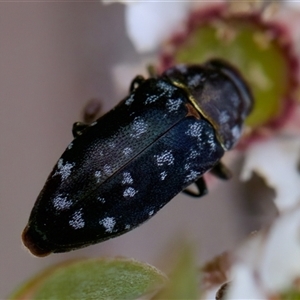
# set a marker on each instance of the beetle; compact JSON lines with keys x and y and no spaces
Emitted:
{"x":124,"y":167}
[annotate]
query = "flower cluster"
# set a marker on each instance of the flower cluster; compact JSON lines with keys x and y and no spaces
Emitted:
{"x":263,"y":40}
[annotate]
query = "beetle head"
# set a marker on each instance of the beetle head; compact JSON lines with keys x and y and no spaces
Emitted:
{"x":219,"y":93}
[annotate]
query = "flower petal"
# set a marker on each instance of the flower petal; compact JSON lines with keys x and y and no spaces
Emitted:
{"x":244,"y":285}
{"x":276,"y":161}
{"x":149,"y":23}
{"x":116,"y":1}
{"x":267,"y":264}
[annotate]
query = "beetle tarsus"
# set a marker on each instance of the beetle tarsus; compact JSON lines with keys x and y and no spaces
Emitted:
{"x":138,"y":80}
{"x":202,"y":189}
{"x":78,"y":128}
{"x":221,"y":171}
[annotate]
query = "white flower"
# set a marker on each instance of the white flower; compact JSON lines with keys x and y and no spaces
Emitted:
{"x":268,"y":263}
{"x":149,"y":23}
{"x":115,"y":1}
{"x":276,"y":160}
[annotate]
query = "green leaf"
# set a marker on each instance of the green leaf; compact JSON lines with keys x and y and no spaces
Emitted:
{"x":184,"y":280}
{"x":94,"y":279}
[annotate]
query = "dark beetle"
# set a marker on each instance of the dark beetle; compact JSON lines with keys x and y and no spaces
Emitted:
{"x":120,"y":170}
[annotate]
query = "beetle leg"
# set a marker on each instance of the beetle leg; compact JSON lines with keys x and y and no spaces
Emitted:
{"x":138,"y":80}
{"x":77,"y":128}
{"x":202,"y":189}
{"x":221,"y":171}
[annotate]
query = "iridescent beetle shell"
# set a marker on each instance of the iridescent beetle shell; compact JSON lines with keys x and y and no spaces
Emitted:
{"x":123,"y":168}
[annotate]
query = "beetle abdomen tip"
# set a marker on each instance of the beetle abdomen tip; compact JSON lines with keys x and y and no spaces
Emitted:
{"x":31,"y":245}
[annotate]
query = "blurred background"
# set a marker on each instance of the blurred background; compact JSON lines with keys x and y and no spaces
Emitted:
{"x":54,"y":57}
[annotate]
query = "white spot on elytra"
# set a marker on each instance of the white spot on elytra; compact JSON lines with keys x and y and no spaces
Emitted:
{"x":129,"y":192}
{"x":164,"y":86}
{"x":173,"y":104}
{"x":193,"y":154}
{"x":152,"y":98}
{"x":127,"y":179}
{"x":107,"y":170}
{"x":211,"y":142}
{"x":127,"y":227}
{"x":70,"y":145}
{"x":129,"y":100}
{"x":139,"y":126}
{"x":166,"y":89}
{"x":61,"y":203}
{"x":63,"y":169}
{"x":191,"y":176}
{"x":151,"y":213}
{"x":195,"y":130}
{"x":127,"y":151}
{"x":163,"y":175}
{"x":98,"y":175}
{"x":187,"y":166}
{"x":102,"y":200}
{"x":112,"y":145}
{"x":165,"y":157}
{"x":77,"y":221}
{"x":108,"y":223}
{"x":94,"y":123}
